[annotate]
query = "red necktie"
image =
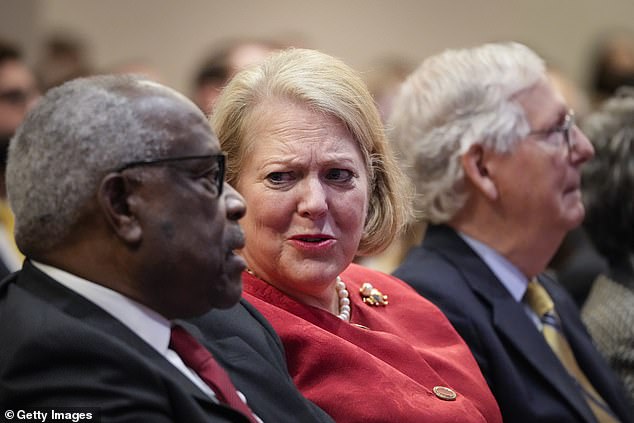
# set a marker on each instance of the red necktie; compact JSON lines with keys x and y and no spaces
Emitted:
{"x":200,"y":360}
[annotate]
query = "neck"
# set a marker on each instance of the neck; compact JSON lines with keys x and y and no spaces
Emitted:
{"x":525,"y":247}
{"x":326,"y":298}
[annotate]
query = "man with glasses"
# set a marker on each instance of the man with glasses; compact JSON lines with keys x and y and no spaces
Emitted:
{"x":496,"y":156}
{"x":121,"y":209}
{"x":18,"y":94}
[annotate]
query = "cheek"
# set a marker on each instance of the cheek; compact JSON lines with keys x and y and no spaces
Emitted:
{"x":10,"y":118}
{"x":552,"y":176}
{"x":352,"y":212}
{"x":265,"y":215}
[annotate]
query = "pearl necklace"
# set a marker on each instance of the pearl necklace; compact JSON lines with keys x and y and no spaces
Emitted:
{"x":342,"y":293}
{"x":344,"y":301}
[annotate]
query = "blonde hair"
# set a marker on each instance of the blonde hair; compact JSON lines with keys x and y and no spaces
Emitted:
{"x":326,"y":85}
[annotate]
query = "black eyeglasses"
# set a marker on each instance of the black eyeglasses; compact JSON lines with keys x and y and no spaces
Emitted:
{"x":215,"y":173}
{"x":564,"y":129}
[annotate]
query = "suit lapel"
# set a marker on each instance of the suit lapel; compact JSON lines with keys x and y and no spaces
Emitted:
{"x":512,"y":323}
{"x":509,"y":318}
{"x":590,"y":360}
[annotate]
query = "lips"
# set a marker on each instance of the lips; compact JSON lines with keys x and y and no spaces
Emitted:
{"x":573,"y":183}
{"x":236,"y":240}
{"x":312,"y":238}
{"x":575,"y":186}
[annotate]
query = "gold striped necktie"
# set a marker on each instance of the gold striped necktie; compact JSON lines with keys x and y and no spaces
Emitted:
{"x":540,"y":302}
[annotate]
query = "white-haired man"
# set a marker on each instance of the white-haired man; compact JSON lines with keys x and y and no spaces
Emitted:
{"x":495,"y":155}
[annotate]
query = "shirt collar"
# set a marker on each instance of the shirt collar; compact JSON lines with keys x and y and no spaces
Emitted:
{"x":513,"y":280}
{"x":144,"y":322}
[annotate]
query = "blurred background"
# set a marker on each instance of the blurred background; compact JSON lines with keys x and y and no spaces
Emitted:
{"x":173,"y":38}
{"x":195,"y":46}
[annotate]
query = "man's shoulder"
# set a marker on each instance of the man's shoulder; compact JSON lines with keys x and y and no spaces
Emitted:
{"x":67,"y":351}
{"x":240,"y":332}
{"x":249,"y":349}
{"x":449,"y":274}
{"x":23,"y":314}
{"x":426,"y":269}
{"x":241,"y":320}
{"x":47,"y":327}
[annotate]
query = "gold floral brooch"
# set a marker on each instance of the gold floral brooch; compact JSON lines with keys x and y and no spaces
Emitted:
{"x":372,"y":296}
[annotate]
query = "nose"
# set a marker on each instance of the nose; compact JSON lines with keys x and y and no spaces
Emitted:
{"x":582,"y":150}
{"x":313,"y":199}
{"x":234,"y":203}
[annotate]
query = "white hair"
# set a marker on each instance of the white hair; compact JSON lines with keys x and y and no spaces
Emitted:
{"x":454,"y":100}
{"x":76,"y":134}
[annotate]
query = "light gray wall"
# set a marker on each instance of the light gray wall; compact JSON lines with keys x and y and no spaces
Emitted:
{"x":19,"y":23}
{"x":175,"y":35}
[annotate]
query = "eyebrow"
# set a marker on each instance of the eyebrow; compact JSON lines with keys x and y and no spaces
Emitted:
{"x":553,"y":123}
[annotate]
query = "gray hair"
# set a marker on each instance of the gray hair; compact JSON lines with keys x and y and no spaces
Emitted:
{"x":76,"y":134}
{"x":608,"y":180}
{"x":454,"y":100}
{"x":329,"y":86}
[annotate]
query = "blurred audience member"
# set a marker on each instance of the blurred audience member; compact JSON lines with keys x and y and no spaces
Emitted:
{"x":64,"y":57}
{"x":138,"y":66}
{"x":223,"y":63}
{"x":384,"y":82}
{"x":574,"y":95}
{"x":612,"y":64}
{"x":608,"y":186}
{"x":496,"y":159}
{"x":576,"y":263}
{"x":18,"y":94}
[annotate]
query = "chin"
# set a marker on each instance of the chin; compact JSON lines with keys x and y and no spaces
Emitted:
{"x":230,"y":295}
{"x":574,"y":217}
{"x":229,"y":302}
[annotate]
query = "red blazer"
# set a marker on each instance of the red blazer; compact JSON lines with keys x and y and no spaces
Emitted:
{"x":382,"y":366}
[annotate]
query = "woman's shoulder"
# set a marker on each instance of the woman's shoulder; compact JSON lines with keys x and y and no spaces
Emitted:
{"x":402,"y":293}
{"x":356,"y":271}
{"x":357,"y":275}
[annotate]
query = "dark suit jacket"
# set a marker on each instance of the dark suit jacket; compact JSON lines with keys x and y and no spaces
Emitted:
{"x":246,"y":345}
{"x":525,"y":376}
{"x":609,"y":315}
{"x":4,"y":270}
{"x":59,"y":349}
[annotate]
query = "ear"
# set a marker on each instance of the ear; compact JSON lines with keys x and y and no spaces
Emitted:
{"x":474,"y":163}
{"x":114,"y":199}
